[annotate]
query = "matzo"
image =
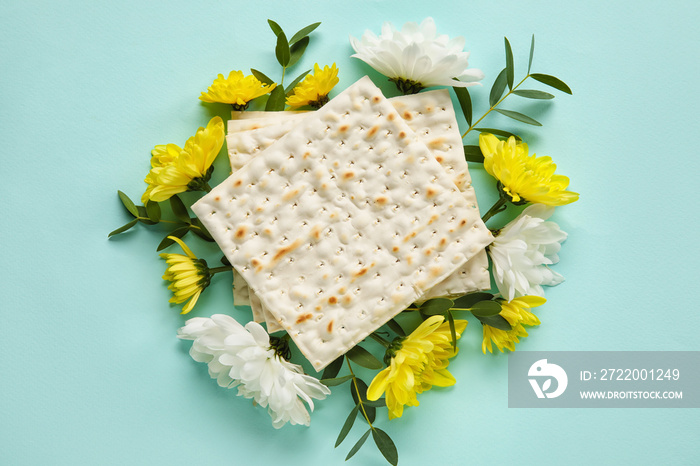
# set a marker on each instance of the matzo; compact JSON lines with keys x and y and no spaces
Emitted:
{"x":342,"y":223}
{"x":431,"y":115}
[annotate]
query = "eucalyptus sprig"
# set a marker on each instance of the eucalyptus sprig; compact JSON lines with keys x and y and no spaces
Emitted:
{"x":288,"y":52}
{"x":358,"y":390}
{"x":151,"y":214}
{"x":506,"y":78}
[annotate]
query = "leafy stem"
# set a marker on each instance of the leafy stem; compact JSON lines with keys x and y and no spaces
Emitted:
{"x":219,"y":269}
{"x":499,"y":206}
{"x":189,"y":225}
{"x":380,"y":340}
{"x":359,"y":395}
{"x":494,"y":106}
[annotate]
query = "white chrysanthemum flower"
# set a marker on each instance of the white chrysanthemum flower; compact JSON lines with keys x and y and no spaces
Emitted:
{"x":417,"y":57}
{"x":243,"y":357}
{"x":522,"y":251}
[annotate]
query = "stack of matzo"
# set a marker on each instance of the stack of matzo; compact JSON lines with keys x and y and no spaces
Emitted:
{"x":339,"y":219}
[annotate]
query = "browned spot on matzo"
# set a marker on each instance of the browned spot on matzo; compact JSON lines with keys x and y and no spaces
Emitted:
{"x":303,"y":318}
{"x":407,"y":115}
{"x":390,"y":117}
{"x":343,"y":128}
{"x":330,"y":326}
{"x":372,"y":131}
{"x":376,"y":99}
{"x":240,"y":232}
{"x":332,"y":300}
{"x":409,"y":237}
{"x":433,"y":219}
{"x":381,"y":200}
{"x":285,"y":250}
{"x":431,"y":192}
{"x":436,"y":143}
{"x":348,"y":175}
{"x":402,"y":134}
{"x":290,"y":194}
{"x":237,"y":183}
{"x":361,"y":272}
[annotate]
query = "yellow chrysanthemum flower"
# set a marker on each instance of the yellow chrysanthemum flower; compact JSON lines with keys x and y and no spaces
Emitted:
{"x":314,"y":89}
{"x":164,"y":154}
{"x":236,"y":90}
{"x":419,"y":361}
{"x":523,"y":177}
{"x":175,"y":170}
{"x":517,"y":313}
{"x":188,"y":276}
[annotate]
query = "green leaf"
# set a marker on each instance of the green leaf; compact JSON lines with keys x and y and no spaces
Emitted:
{"x":364,"y":358}
{"x":532,"y":52}
{"x":332,"y":382}
{"x":499,"y":85}
{"x":518,"y":116}
{"x":128,"y":203}
{"x":153,"y":211}
{"x":533,"y":94}
{"x":177,"y":233}
{"x":371,"y":411}
{"x":296,"y":81}
{"x":347,"y":425}
{"x":262,"y":77}
{"x":380,"y":403}
{"x":143,"y":216}
{"x":276,"y":101}
{"x":282,"y":49}
{"x":303,"y":32}
{"x":486,"y":308}
{"x":122,"y":229}
{"x":453,"y":330}
{"x":551,"y":81}
{"x":510,"y":70}
{"x":468,"y":300}
{"x":497,"y":321}
{"x":396,"y":328}
{"x":358,"y":445}
{"x":297,"y":50}
{"x":386,"y":446}
{"x":473,"y":154}
{"x":179,"y":209}
{"x":275,"y":27}
{"x":498,"y":132}
{"x":436,"y":306}
{"x":465,"y":102}
{"x":333,"y":368}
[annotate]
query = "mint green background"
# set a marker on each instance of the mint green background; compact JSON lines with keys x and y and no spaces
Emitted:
{"x":91,"y":370}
